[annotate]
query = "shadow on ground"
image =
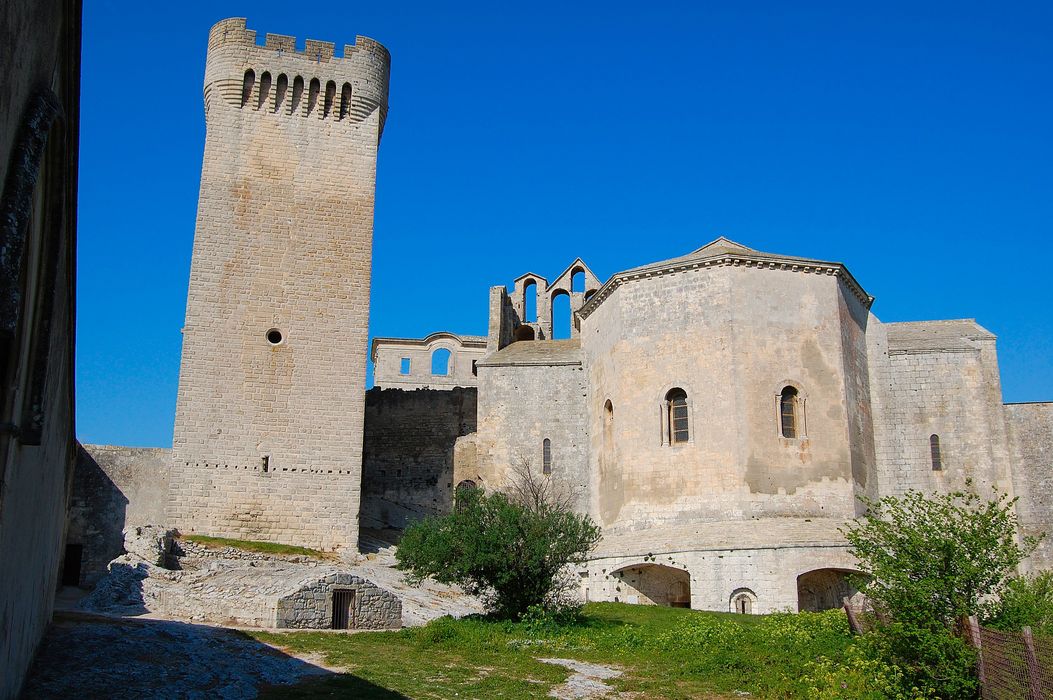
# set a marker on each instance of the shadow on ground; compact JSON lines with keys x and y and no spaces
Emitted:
{"x":87,"y":656}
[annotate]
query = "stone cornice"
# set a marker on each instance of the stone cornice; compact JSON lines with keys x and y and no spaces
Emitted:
{"x":750,"y":260}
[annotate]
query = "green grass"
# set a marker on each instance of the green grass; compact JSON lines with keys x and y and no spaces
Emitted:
{"x":255,"y":546}
{"x":665,"y":652}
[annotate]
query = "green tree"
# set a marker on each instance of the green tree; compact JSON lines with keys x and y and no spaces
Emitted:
{"x":511,"y":548}
{"x":930,"y":561}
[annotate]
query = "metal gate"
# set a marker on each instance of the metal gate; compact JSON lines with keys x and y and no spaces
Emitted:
{"x":343,"y":609}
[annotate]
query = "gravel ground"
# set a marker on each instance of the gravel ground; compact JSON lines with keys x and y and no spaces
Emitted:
{"x":90,"y":657}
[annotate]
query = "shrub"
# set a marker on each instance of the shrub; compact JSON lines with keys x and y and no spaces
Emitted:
{"x":507,"y":550}
{"x":931,"y":561}
{"x":856,"y":676}
{"x":1027,"y":601}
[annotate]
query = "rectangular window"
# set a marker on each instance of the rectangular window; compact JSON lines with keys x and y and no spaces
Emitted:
{"x":546,"y":456}
{"x":789,"y":420}
{"x":679,"y":420}
{"x":404,"y":368}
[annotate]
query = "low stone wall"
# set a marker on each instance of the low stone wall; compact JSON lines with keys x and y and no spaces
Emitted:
{"x":234,"y":587}
{"x":311,"y":607}
{"x":196,"y":550}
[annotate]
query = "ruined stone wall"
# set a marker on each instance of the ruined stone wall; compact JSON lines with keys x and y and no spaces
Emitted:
{"x":389,"y":353}
{"x":408,"y":452}
{"x":39,"y":129}
{"x":1031,"y":440}
{"x":731,"y":337}
{"x":114,"y":488}
{"x":269,"y":415}
{"x":938,"y":378}
{"x":522,"y":403}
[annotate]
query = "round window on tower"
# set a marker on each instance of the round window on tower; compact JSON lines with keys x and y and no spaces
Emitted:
{"x":275,"y":337}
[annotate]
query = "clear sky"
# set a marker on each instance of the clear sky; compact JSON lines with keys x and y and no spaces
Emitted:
{"x":911,"y":141}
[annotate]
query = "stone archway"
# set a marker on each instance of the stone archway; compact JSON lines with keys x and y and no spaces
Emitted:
{"x":824,"y":589}
{"x":653,"y":584}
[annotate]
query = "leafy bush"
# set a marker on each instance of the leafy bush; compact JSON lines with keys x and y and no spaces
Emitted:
{"x":856,"y":676}
{"x":510,"y":551}
{"x":1027,"y":601}
{"x":933,"y":662}
{"x":931,"y":560}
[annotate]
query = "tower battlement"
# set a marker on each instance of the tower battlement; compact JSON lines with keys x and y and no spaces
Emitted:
{"x":278,"y":79}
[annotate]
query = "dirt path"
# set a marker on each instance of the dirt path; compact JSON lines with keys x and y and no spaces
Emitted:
{"x":91,"y":657}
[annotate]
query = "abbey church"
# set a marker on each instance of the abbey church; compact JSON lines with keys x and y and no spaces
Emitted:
{"x":719,"y":414}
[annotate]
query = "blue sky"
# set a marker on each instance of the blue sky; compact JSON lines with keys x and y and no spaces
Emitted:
{"x":911,"y":141}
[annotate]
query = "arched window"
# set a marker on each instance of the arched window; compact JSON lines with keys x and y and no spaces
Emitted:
{"x":529,"y":301}
{"x":546,"y":456}
{"x":742,"y":601}
{"x":577,"y":280}
{"x":934,"y":453}
{"x":265,"y":89}
{"x":608,"y":427}
{"x":247,"y":85}
{"x":312,"y":95}
{"x":460,"y":495}
{"x":677,"y":419}
{"x":297,"y":95}
{"x":561,"y":314}
{"x":440,"y":361}
{"x":279,"y":91}
{"x":789,"y":422}
{"x":330,"y":96}
{"x":345,"y":101}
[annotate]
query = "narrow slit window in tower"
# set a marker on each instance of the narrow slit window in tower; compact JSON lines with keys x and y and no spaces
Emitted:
{"x":247,"y":85}
{"x":330,"y":95}
{"x":345,"y":101}
{"x":297,"y":95}
{"x":265,"y":89}
{"x":280,"y":90}
{"x":312,"y":95}
{"x":934,"y":453}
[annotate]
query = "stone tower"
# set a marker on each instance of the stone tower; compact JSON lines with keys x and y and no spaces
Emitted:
{"x":268,"y":431}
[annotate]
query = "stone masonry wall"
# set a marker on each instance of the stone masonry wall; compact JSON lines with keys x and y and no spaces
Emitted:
{"x":522,"y":404}
{"x":269,"y":415}
{"x":311,"y":607}
{"x":389,"y":354}
{"x":114,"y":488}
{"x":41,"y":40}
{"x":932,"y":379}
{"x":731,"y":337}
{"x":1031,"y":439}
{"x":407,"y":456}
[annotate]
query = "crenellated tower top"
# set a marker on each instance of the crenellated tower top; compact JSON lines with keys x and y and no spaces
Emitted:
{"x":310,"y":83}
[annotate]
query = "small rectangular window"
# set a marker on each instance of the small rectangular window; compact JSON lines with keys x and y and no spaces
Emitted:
{"x":405,"y":366}
{"x":679,"y":416}
{"x":546,"y":456}
{"x":475,"y":371}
